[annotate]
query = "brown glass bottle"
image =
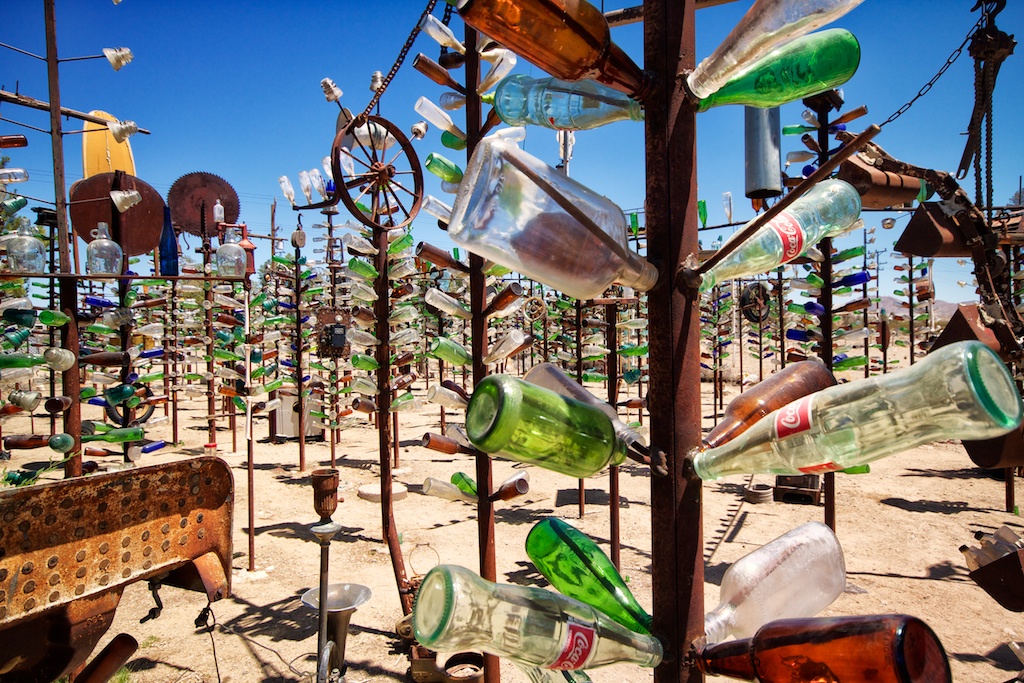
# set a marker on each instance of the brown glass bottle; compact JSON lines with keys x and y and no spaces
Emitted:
{"x":57,"y":404}
{"x":150,"y":303}
{"x":364,"y":405}
{"x":443,"y":444}
{"x":892,"y":648}
{"x":448,"y":384}
{"x":401,"y":382}
{"x":569,"y":39}
{"x":439,"y":257}
{"x":25,"y":441}
{"x":513,"y":487}
{"x":108,"y":359}
{"x":785,"y":386}
{"x":227,"y":319}
{"x":9,"y":410}
{"x":437,"y":73}
{"x":403,"y":358}
{"x":633,"y":403}
{"x":504,"y":298}
{"x":363,"y":314}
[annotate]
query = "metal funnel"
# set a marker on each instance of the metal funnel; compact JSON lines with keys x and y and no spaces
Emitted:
{"x":342,"y":601}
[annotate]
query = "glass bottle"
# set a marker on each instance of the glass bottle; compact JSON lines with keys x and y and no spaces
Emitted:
{"x":456,"y":610}
{"x":829,"y":209}
{"x":578,"y":568}
{"x":230,"y":256}
{"x":960,"y":391}
{"x":551,"y":103}
{"x":54,"y":318}
{"x":450,"y":351}
{"x":465,"y":483}
{"x":765,"y":26}
{"x":519,"y":212}
{"x":26,"y":400}
{"x":362,"y":268}
{"x":570,"y":40}
{"x":807,"y":66}
{"x":446,"y":398}
{"x":794,"y":381}
{"x":119,"y":394}
{"x":796,"y":575}
{"x":443,"y":489}
{"x":26,"y":252}
{"x":406,"y":401}
{"x":119,"y":435}
{"x":443,"y":168}
{"x":104,"y":256}
{"x":361,"y":361}
{"x":512,"y":341}
{"x":62,"y":443}
{"x":446,"y":304}
{"x":892,"y":648}
{"x":527,"y":423}
{"x":168,"y":247}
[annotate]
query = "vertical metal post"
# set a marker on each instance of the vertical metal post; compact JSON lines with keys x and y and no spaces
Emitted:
{"x":478,"y":302}
{"x":300,"y":400}
{"x":780,"y":297}
{"x":910,"y":301}
{"x":582,"y":490}
{"x":68,"y":286}
{"x":612,"y":370}
{"x":677,"y":558}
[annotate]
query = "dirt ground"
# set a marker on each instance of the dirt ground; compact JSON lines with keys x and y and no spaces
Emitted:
{"x":900,"y":527}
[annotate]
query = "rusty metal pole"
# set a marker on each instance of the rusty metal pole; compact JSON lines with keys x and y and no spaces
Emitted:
{"x":71,"y":381}
{"x":677,"y":557}
{"x":300,"y":400}
{"x":582,"y":490}
{"x":478,"y":323}
{"x":612,"y":342}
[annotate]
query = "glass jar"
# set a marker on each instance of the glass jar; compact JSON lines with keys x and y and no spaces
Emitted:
{"x":104,"y":256}
{"x":26,"y":252}
{"x":230,"y":255}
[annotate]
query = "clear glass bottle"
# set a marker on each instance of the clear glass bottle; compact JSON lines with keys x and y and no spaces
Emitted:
{"x":457,"y":610}
{"x":797,"y":575}
{"x":519,"y":212}
{"x":829,"y":209}
{"x":230,"y":256}
{"x":26,"y":252}
{"x":551,"y":103}
{"x":513,"y":340}
{"x":527,"y":423}
{"x":104,"y":256}
{"x":960,"y":391}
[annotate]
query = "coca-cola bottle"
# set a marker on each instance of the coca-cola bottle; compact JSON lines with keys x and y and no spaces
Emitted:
{"x":883,"y":649}
{"x":960,"y":391}
{"x":797,"y":575}
{"x":794,"y":381}
{"x":457,"y":610}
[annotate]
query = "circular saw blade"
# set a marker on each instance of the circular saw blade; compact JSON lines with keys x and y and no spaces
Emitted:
{"x":191,"y":192}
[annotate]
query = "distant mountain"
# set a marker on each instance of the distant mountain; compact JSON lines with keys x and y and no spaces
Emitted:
{"x":943,"y":310}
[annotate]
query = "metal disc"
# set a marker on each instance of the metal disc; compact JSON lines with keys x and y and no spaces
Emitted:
{"x":191,"y":192}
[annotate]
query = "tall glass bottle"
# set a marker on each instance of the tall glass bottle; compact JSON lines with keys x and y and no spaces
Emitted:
{"x":520,"y":100}
{"x":26,"y":252}
{"x":578,"y":568}
{"x":457,"y":610}
{"x":806,"y":66}
{"x":168,"y":246}
{"x":569,"y":39}
{"x":892,"y":648}
{"x":104,"y":256}
{"x":960,"y":391}
{"x":519,"y":212}
{"x":794,"y":381}
{"x":828,"y":209}
{"x":230,"y":256}
{"x":520,"y":421}
{"x":797,"y":575}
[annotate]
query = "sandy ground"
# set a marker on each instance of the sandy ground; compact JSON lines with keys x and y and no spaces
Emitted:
{"x":900,"y":527}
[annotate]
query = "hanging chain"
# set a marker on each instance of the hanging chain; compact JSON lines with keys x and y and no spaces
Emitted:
{"x":928,"y":86}
{"x":401,"y":58}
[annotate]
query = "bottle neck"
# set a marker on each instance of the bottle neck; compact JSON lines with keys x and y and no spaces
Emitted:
{"x":718,"y":623}
{"x":731,"y":659}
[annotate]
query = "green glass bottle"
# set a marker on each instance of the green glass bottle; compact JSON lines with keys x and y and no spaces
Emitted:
{"x":450,"y":351}
{"x":806,"y":66}
{"x":578,"y":568}
{"x":465,"y":483}
{"x":274,"y":385}
{"x":224,"y":354}
{"x":443,"y":168}
{"x":362,"y":268}
{"x":527,"y":423}
{"x":15,"y":338}
{"x":26,"y":317}
{"x":20,"y":360}
{"x":87,"y":393}
{"x":401,"y":244}
{"x":150,"y":377}
{"x":117,"y":395}
{"x":361,"y":361}
{"x":120,"y":435}
{"x":62,"y":443}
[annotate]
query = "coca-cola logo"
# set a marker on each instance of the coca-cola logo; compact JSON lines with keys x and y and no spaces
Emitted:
{"x":579,"y":643}
{"x":788,"y":230}
{"x":793,"y":418}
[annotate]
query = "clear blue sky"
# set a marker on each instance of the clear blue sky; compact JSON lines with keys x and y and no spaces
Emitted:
{"x":232,"y":88}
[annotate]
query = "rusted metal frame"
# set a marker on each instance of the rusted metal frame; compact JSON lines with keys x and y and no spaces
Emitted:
{"x":300,"y":400}
{"x":478,"y":326}
{"x":381,"y":308}
{"x":32,"y":103}
{"x":612,"y":370}
{"x":674,"y":340}
{"x":578,"y":311}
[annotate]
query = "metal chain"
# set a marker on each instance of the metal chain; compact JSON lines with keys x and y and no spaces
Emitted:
{"x":401,"y":58}
{"x":928,"y":86}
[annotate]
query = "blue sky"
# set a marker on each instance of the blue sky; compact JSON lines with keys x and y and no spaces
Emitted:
{"x":232,"y":88}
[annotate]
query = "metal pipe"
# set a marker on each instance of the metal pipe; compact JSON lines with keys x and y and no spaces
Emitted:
{"x":612,"y":370}
{"x":22,"y":100}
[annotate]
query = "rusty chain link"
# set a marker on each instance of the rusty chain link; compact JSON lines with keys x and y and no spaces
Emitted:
{"x":398,"y":62}
{"x":928,"y":86}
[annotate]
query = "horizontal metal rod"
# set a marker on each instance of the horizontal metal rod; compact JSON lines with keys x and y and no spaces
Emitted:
{"x":633,"y":15}
{"x":32,"y":103}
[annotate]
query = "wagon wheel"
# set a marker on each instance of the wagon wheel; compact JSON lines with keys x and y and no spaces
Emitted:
{"x":754,"y":303}
{"x":379,"y":179}
{"x":141,"y":413}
